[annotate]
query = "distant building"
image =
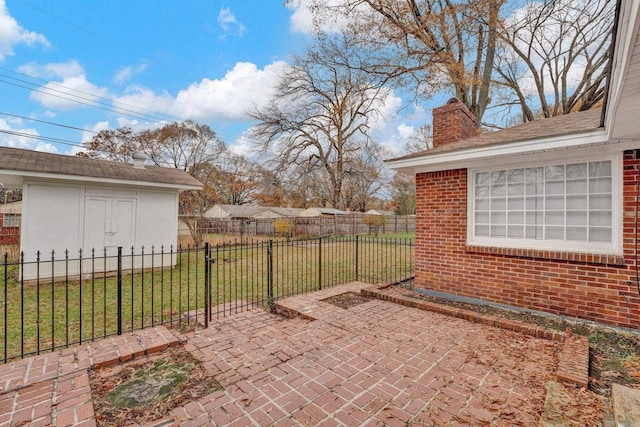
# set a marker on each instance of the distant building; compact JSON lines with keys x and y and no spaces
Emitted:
{"x":321,"y":212}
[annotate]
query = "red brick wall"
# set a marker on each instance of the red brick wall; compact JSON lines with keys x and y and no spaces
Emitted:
{"x":453,"y":122}
{"x":8,"y":235}
{"x":579,"y":285}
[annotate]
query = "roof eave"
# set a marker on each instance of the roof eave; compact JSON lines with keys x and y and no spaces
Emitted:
{"x":457,"y":159}
{"x":89,"y":179}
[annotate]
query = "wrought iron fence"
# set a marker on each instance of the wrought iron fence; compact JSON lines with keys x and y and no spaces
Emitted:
{"x":54,"y":300}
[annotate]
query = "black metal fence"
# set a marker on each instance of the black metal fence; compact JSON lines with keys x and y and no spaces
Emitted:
{"x":54,"y":300}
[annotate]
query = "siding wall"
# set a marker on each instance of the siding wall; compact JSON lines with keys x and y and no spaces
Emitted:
{"x":593,"y":287}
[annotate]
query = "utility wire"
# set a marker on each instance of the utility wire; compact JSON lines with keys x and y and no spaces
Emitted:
{"x":49,"y":123}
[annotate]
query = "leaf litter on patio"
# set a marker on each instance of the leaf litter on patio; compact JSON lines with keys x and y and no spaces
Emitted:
{"x":614,"y":354}
{"x":146,"y":389}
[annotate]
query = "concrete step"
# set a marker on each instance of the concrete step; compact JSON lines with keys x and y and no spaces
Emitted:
{"x":626,"y":405}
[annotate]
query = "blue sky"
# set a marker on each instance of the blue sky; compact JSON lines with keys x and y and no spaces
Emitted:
{"x":136,"y":63}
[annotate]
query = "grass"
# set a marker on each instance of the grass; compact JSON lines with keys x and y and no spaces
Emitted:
{"x":44,"y":315}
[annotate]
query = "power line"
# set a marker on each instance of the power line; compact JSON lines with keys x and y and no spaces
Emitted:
{"x":49,"y":123}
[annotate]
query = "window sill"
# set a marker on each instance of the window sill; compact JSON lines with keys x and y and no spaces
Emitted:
{"x":580,"y":257}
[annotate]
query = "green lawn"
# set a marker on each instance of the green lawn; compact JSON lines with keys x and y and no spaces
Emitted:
{"x":44,"y":315}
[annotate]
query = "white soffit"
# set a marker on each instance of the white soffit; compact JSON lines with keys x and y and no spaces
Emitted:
{"x":623,"y":109}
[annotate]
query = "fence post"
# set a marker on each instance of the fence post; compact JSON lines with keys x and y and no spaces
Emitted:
{"x":207,"y":280}
{"x":119,"y":290}
{"x":270,"y":299}
{"x":320,"y":263}
{"x":357,"y":248}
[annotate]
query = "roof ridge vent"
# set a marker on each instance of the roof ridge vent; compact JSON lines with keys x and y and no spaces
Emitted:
{"x":138,"y":159}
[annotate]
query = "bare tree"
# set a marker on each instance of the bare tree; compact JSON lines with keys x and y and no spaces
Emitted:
{"x":555,"y":55}
{"x":322,"y":112}
{"x":428,"y":45}
{"x":187,"y":145}
{"x":403,"y":194}
{"x":421,"y":140}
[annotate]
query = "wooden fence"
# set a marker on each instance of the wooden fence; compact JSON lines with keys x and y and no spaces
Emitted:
{"x":336,"y":225}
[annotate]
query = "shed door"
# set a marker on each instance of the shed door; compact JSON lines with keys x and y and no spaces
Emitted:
{"x":109,"y":222}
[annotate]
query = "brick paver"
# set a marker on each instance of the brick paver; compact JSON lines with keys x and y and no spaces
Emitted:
{"x":375,"y":364}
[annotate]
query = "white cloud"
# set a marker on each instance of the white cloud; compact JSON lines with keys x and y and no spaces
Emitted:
{"x":230,"y":24}
{"x":311,"y":15}
{"x":12,"y":135}
{"x":125,"y":74}
{"x":405,"y":131}
{"x":228,"y":98}
{"x":72,"y":90}
{"x":12,"y":34}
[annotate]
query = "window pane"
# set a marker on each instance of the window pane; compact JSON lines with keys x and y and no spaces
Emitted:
{"x":516,"y":189}
{"x":483,"y":204}
{"x":498,"y":218}
{"x":482,"y":217}
{"x":554,"y":233}
{"x":516,"y":232}
{"x":576,"y":218}
{"x":600,"y":218}
{"x":600,"y":168}
{"x":577,"y":202}
{"x":534,"y":233}
{"x":577,"y":233}
{"x":498,"y":190}
{"x":482,"y":230}
{"x":483,"y":191}
{"x":577,"y":186}
{"x":534,"y":203}
{"x":534,"y":217}
{"x":515,"y":203}
{"x":554,"y":172}
{"x":554,"y":187}
{"x":515,"y":175}
{"x":600,"y":185}
{"x":499,"y":204}
{"x":599,"y":234}
{"x":483,"y":178}
{"x":498,"y":231}
{"x":498,"y":177}
{"x":578,"y":170}
{"x":516,"y":217}
{"x":554,"y":202}
{"x":554,"y":218}
{"x":600,"y":202}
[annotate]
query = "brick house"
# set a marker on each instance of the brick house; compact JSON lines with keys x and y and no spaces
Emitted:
{"x":10,"y":214}
{"x":543,"y":215}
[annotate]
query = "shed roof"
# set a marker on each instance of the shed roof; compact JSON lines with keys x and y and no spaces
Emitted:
{"x":16,"y":161}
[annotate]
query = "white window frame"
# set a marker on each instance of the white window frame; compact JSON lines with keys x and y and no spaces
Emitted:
{"x":614,"y":247}
{"x":11,"y":220}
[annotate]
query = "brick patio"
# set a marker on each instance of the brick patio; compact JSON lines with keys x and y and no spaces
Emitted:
{"x":378,"y":363}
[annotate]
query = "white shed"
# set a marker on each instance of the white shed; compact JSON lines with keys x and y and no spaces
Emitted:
{"x":75,"y":203}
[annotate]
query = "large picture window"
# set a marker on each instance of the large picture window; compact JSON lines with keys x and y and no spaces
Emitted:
{"x":563,"y":206}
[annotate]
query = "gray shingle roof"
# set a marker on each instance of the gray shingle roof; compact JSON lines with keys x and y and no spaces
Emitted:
{"x":27,"y":161}
{"x":538,"y":129}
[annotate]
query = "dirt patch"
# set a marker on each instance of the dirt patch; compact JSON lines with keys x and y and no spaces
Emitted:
{"x":347,"y":300}
{"x":146,"y":389}
{"x":614,"y":354}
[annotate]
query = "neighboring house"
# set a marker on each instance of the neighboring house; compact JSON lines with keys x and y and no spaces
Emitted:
{"x":233,"y":211}
{"x":278,"y":212}
{"x":10,"y":215}
{"x":321,"y":212}
{"x":380,"y":212}
{"x":542,"y":215}
{"x":75,"y":203}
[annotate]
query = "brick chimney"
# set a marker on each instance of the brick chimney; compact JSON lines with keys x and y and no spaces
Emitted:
{"x":452,"y":122}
